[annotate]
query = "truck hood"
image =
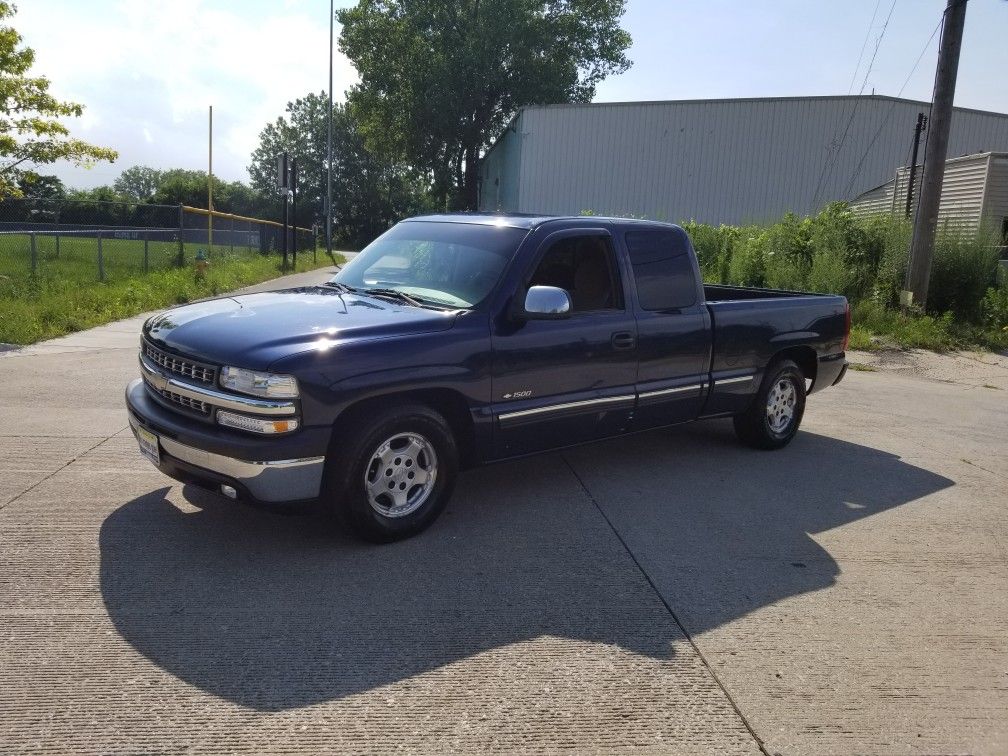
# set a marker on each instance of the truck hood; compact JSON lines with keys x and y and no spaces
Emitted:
{"x":255,"y":330}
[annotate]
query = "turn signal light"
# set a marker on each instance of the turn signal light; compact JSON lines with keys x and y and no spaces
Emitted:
{"x":256,"y":424}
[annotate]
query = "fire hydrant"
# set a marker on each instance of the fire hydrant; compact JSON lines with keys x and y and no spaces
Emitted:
{"x":202,"y":263}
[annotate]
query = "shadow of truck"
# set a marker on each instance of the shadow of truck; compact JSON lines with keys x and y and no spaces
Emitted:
{"x":276,"y":612}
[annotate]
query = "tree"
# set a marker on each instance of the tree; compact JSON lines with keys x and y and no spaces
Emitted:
{"x":189,"y":187}
{"x":370,"y":192}
{"x":30,"y":130}
{"x":183,"y":186}
{"x":138,"y":183}
{"x":42,"y":187}
{"x":439,"y":81}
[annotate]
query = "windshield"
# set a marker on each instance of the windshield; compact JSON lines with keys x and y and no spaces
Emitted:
{"x":445,"y":264}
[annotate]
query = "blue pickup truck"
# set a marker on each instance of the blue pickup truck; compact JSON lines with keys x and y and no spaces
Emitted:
{"x":457,"y":340}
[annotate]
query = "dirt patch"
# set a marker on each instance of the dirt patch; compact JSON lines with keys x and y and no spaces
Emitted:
{"x":982,"y":369}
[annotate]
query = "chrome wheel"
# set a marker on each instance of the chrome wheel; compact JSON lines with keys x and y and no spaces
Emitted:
{"x":780,"y":407}
{"x":401,"y":475}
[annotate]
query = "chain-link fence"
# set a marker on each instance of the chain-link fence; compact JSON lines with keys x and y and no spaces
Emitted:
{"x":108,"y":240}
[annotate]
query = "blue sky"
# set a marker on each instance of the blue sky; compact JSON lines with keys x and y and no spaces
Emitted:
{"x":148,"y":70}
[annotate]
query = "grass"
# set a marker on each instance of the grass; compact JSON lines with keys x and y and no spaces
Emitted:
{"x":876,"y":327}
{"x":77,"y":256}
{"x":65,"y":296}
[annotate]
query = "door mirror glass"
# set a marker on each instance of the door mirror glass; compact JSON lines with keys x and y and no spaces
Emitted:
{"x":547,"y":303}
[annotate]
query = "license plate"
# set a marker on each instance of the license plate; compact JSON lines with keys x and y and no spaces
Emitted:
{"x":149,"y":446}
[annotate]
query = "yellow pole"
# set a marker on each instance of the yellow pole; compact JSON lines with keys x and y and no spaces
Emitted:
{"x":232,"y":216}
{"x":210,"y":190}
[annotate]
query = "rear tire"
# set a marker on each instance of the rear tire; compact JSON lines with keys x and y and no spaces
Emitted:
{"x":391,"y":471}
{"x":776,"y":412}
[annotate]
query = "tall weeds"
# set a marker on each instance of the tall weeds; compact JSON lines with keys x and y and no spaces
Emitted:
{"x":863,"y":259}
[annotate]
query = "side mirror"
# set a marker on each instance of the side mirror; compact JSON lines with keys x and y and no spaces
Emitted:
{"x":546,"y":303}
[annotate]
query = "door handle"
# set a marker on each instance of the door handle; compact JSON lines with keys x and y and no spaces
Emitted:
{"x":623,"y":340}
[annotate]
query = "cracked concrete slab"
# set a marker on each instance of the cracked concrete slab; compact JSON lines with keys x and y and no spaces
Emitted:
{"x":671,"y":592}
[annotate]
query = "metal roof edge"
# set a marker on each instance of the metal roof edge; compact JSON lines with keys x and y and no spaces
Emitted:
{"x":727,"y":100}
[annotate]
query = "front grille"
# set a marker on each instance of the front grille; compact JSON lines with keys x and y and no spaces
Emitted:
{"x":191,"y":404}
{"x":181,"y":366}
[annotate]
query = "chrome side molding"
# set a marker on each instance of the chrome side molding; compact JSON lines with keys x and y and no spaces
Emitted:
{"x":737,"y":379}
{"x":670,"y":391}
{"x":599,"y":402}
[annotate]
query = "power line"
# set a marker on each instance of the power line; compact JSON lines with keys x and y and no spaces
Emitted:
{"x":830,"y":164}
{"x":885,"y":118}
{"x":864,"y":44}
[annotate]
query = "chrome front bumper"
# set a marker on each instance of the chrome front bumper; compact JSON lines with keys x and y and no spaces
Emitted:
{"x":269,"y":481}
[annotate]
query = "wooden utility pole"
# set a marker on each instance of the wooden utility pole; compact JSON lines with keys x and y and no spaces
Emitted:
{"x":935,"y":152}
{"x":328,"y":201}
{"x":921,"y":121}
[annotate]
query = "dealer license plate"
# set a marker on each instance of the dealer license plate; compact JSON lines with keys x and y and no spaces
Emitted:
{"x":149,"y":446}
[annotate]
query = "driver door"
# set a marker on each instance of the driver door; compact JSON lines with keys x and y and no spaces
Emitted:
{"x":561,"y":382}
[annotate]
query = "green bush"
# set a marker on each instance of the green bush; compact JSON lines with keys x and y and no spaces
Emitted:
{"x":714,"y":246}
{"x":962,"y":270}
{"x":829,"y":272}
{"x":747,"y":264}
{"x":994,"y":307}
{"x":920,"y":331}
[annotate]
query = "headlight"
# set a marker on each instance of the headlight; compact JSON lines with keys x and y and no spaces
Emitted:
{"x":268,"y":385}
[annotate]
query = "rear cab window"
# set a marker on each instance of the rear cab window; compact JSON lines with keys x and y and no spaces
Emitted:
{"x":662,"y":268}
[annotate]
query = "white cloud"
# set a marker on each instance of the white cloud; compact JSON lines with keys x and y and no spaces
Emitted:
{"x":147,"y":72}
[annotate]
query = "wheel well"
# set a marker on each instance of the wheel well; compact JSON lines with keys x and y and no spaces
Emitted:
{"x":804,"y":357}
{"x":449,"y":404}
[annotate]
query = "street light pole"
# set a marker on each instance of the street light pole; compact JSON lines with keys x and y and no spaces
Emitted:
{"x":328,"y":220}
{"x":210,"y":185}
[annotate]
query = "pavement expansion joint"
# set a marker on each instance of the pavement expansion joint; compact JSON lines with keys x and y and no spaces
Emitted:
{"x":668,"y":607}
{"x":62,"y":467}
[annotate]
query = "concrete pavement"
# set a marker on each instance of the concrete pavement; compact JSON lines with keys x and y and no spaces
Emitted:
{"x":671,"y":592}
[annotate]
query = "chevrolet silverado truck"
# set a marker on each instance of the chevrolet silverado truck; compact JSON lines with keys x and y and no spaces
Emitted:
{"x":457,"y":340}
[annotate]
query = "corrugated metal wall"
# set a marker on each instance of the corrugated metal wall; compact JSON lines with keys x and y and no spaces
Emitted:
{"x":716,"y":161}
{"x":962,"y":195}
{"x":996,"y":204}
{"x":974,"y":192}
{"x":877,"y":201}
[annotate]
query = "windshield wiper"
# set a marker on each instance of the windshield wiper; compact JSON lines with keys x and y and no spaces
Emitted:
{"x":392,"y":294}
{"x":341,"y":287}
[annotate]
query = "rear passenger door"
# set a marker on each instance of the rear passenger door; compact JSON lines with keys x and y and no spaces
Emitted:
{"x":673,"y":325}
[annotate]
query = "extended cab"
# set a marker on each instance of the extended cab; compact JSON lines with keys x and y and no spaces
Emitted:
{"x":457,"y":340}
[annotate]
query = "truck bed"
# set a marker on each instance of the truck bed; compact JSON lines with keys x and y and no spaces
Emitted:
{"x":722,"y":293}
{"x":749,"y":326}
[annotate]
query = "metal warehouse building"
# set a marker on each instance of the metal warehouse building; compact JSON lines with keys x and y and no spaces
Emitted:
{"x":715,"y":161}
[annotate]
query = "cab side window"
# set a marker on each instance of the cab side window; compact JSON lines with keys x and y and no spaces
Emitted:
{"x":662,"y":268}
{"x":585,"y":267}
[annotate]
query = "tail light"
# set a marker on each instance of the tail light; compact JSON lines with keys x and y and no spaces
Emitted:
{"x":846,"y":335}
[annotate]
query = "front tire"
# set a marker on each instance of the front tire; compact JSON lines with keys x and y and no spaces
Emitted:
{"x":391,"y":471}
{"x":776,"y":412}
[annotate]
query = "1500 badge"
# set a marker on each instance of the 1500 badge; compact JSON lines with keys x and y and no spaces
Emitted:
{"x":518,"y":394}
